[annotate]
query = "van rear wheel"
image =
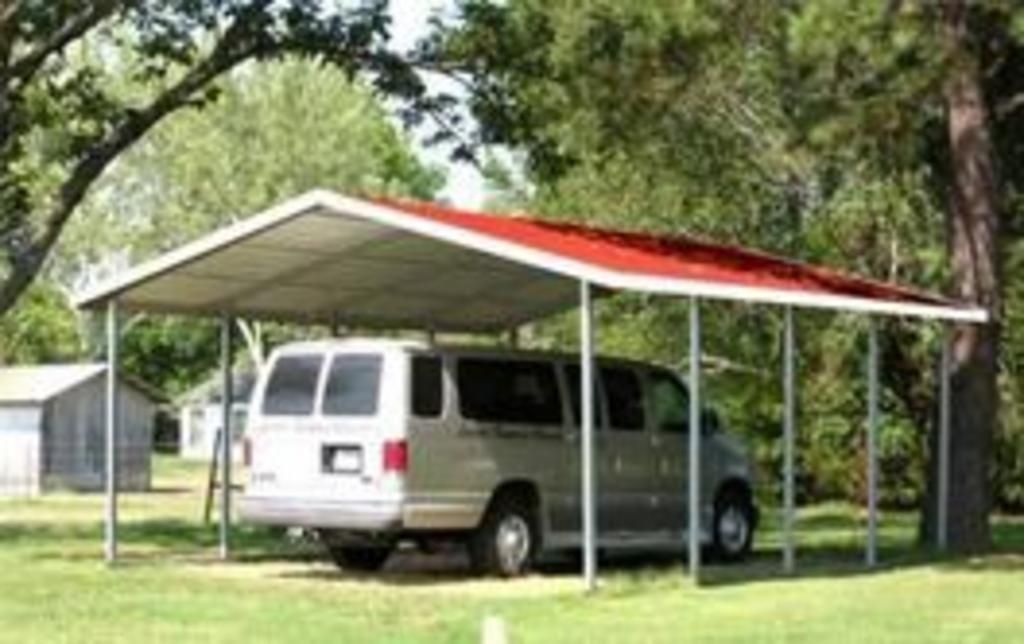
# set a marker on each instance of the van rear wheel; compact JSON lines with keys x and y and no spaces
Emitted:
{"x":359,"y":559}
{"x":506,"y":541}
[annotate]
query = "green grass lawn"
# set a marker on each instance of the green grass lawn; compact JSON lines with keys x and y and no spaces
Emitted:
{"x":170,"y":586}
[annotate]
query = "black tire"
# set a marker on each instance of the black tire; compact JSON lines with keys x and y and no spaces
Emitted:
{"x":506,"y":542}
{"x":734,"y":524}
{"x":359,"y":559}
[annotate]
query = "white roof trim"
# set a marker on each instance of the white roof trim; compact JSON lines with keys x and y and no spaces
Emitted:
{"x":339,"y":205}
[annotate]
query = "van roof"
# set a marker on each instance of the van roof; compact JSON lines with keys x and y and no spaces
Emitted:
{"x":400,"y":344}
{"x":331,"y":344}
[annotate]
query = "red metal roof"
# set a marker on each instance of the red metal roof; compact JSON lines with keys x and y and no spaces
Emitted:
{"x":388,"y":263}
{"x":675,"y":256}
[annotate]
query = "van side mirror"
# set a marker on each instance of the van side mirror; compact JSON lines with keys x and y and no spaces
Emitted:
{"x":710,"y":421}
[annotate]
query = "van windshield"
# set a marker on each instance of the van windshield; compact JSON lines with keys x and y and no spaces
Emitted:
{"x":353,"y":385}
{"x":291,"y":389}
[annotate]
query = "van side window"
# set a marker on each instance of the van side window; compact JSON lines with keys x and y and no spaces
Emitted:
{"x":427,"y":387}
{"x":670,"y":403}
{"x":625,"y":398}
{"x":572,"y":380}
{"x":353,"y":385}
{"x":291,"y":389}
{"x":509,"y":391}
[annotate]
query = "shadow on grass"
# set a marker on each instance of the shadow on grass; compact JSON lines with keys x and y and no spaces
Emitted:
{"x":822,"y":559}
{"x":829,"y":546}
{"x":149,"y":540}
{"x":999,"y":562}
{"x":44,"y":532}
{"x":411,"y":568}
{"x":406,"y":568}
{"x":816,"y":562}
{"x":169,"y":489}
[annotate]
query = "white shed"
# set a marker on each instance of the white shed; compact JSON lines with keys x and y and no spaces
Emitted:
{"x":201,"y":416}
{"x":51,"y":429}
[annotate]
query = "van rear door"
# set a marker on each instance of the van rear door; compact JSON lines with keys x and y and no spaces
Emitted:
{"x":320,"y":430}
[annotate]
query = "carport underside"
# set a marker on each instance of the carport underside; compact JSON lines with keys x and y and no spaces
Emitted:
{"x":323,"y":258}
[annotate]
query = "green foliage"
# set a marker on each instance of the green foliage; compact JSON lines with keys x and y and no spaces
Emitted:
{"x":80,"y":82}
{"x":42,"y":328}
{"x":172,"y":354}
{"x":1009,"y":452}
{"x":812,"y":129}
{"x":276,"y":130}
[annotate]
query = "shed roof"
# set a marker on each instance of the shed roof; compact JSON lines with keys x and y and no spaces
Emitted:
{"x":388,"y":263}
{"x":209,"y":391}
{"x":35,"y":384}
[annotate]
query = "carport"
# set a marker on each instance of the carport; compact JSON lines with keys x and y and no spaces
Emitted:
{"x":324,"y":258}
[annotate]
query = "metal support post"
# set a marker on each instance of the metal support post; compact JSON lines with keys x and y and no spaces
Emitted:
{"x":113,"y":431}
{"x":226,"y":336}
{"x":693,"y":531}
{"x":942,"y":511}
{"x":871,"y":554}
{"x":788,"y":445}
{"x":587,"y":438}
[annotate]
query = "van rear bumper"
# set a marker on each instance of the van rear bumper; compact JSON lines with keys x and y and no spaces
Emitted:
{"x":310,"y":513}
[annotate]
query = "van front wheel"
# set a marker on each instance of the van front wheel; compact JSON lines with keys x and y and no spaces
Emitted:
{"x":506,"y":541}
{"x":359,"y":559}
{"x":733,"y":530}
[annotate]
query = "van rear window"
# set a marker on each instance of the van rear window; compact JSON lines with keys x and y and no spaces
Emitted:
{"x":291,"y":390}
{"x":510,"y":391}
{"x":353,"y":385}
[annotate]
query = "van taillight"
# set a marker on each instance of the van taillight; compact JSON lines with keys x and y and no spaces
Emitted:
{"x":246,"y":452}
{"x":396,"y":456}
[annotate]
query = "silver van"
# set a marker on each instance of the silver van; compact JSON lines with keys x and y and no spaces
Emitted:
{"x":372,"y":442}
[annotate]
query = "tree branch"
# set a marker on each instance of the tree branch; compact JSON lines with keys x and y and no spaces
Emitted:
{"x":452,"y":130}
{"x":256,"y":31}
{"x":251,"y":332}
{"x":25,"y":67}
{"x":27,"y":259}
{"x":8,"y":12}
{"x":1009,"y":106}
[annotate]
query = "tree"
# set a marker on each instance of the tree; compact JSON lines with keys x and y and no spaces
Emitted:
{"x":974,"y":242}
{"x":41,"y":328}
{"x":66,"y":115}
{"x":277,"y":129}
{"x":946,"y":78}
{"x":831,"y":130}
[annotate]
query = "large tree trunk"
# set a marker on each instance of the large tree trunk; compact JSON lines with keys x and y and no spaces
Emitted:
{"x":973,"y":228}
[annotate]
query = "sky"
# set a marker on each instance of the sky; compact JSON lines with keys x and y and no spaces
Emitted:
{"x":465,"y":186}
